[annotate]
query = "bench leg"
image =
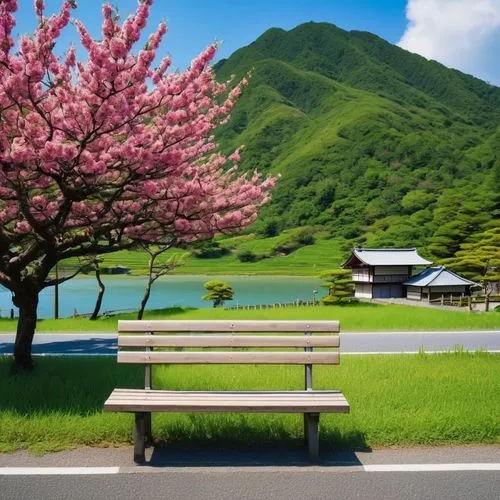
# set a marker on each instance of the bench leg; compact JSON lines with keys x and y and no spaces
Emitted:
{"x":139,"y":438}
{"x":148,"y":430}
{"x":306,"y":429}
{"x":312,"y":424}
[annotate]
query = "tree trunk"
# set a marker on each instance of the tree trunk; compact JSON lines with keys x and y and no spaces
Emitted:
{"x":27,"y":302}
{"x":145,"y":298}
{"x":151,"y":280}
{"x":100,"y":295}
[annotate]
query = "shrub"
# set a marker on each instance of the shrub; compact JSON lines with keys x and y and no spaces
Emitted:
{"x":340,"y":287}
{"x":209,"y":250}
{"x":332,"y":300}
{"x":305,"y":236}
{"x":270,"y":228}
{"x":218,"y":292}
{"x":247,"y":256}
{"x":300,"y":238}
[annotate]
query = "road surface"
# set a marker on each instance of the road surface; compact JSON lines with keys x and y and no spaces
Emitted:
{"x":352,"y":342}
{"x":424,"y":473}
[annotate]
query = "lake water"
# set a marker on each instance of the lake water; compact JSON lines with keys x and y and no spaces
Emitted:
{"x":126,"y":293}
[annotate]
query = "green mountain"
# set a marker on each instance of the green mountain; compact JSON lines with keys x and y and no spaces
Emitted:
{"x":373,"y":144}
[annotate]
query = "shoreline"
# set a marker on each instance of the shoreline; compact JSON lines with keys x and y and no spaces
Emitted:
{"x":202,"y":275}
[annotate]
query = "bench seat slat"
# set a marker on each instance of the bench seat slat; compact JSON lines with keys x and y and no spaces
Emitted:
{"x":228,"y":357}
{"x":254,"y":401}
{"x":227,"y":341}
{"x":141,"y":326}
{"x":204,"y":397}
{"x":276,"y":393}
{"x":227,"y":401}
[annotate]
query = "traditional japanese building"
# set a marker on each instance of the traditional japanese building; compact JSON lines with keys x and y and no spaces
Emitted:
{"x":434,"y":282}
{"x":381,"y":273}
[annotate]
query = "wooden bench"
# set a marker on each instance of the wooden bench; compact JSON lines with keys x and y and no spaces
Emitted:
{"x":310,"y":402}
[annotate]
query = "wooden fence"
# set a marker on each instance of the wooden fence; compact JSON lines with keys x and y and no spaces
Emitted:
{"x":465,"y":301}
{"x":276,"y":305}
{"x":106,"y":314}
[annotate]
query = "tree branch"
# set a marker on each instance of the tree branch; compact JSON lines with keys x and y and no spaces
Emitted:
{"x":5,"y":280}
{"x":58,"y":281}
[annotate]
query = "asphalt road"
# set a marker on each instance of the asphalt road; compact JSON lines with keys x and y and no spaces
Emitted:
{"x":266,"y":474}
{"x":258,"y":485}
{"x":352,"y":342}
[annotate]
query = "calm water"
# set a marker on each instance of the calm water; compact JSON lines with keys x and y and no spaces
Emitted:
{"x":126,"y":293}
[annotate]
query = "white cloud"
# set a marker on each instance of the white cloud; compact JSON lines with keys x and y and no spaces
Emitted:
{"x":457,"y":33}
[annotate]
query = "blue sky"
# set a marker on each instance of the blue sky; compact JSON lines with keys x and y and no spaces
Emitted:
{"x":464,"y":34}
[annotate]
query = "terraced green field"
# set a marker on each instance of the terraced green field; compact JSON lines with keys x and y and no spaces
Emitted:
{"x":306,"y":261}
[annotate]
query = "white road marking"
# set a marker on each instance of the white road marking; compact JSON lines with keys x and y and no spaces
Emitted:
{"x":431,"y":467}
{"x":72,"y":471}
{"x":427,"y":332}
{"x":350,"y":353}
{"x":56,"y":471}
{"x":448,"y":351}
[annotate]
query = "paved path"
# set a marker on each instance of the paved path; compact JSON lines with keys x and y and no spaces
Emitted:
{"x":352,"y":342}
{"x":420,"y":473}
{"x":433,"y":305}
{"x":396,"y":342}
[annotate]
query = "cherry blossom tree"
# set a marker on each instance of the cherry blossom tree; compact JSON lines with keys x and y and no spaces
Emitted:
{"x":98,"y":155}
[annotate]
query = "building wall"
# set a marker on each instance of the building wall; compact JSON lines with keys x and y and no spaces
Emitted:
{"x":457,"y":289}
{"x":380,"y":274}
{"x":363,"y":290}
{"x":361,"y":274}
{"x":437,"y":291}
{"x":388,"y":291}
{"x":381,"y":270}
{"x":414,"y":293}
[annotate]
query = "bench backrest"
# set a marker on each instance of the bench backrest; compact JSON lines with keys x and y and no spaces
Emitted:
{"x":141,"y":335}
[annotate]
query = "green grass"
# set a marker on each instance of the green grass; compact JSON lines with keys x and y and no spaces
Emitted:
{"x":361,"y":317}
{"x":102,"y":324}
{"x":395,"y":400}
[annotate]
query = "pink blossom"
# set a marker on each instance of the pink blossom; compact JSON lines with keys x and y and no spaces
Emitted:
{"x":22,"y":227}
{"x":149,"y":188}
{"x":182,"y":225}
{"x":69,"y":151}
{"x":118,"y":48}
{"x":235,"y":157}
{"x":39,"y":7}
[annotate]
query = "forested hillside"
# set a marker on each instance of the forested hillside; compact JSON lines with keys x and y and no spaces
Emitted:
{"x":374,"y":144}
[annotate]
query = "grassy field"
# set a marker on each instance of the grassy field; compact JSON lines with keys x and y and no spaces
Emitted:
{"x":362,"y":317}
{"x":395,"y":400}
{"x":306,"y":261}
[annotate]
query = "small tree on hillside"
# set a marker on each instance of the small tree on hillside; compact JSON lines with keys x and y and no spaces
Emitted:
{"x":340,"y":287}
{"x":271,"y":228}
{"x":218,"y":291}
{"x":479,"y":260}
